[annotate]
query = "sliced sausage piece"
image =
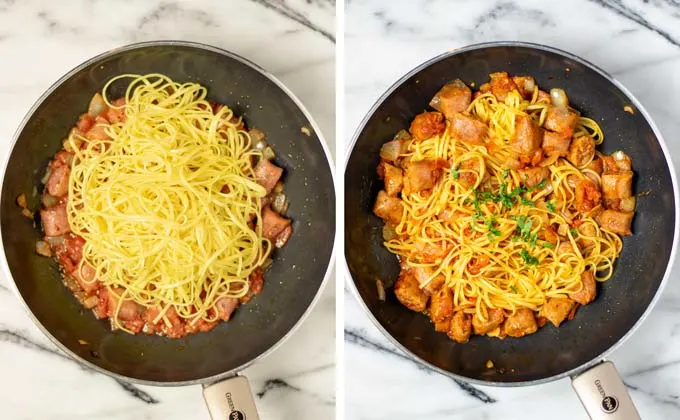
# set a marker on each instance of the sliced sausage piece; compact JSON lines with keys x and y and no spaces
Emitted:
{"x":469,"y":172}
{"x":408,"y":292}
{"x":581,"y":151}
{"x":267,"y":174}
{"x":501,"y":84}
{"x":421,"y":175}
{"x":225,"y":307}
{"x":528,"y":136}
{"x":422,"y":274}
{"x":273,"y":224}
{"x":556,"y":310}
{"x":388,"y":208}
{"x":57,"y":184}
{"x":427,"y":125}
{"x":560,"y":120}
{"x":468,"y":129}
{"x":393,"y":180}
{"x":616,"y":221}
{"x":526,"y":85}
{"x":85,"y":277}
{"x":128,"y":311}
{"x":55,"y":220}
{"x":452,"y":98}
{"x":521,"y":323}
{"x":596,"y":165}
{"x":495,"y":318}
{"x":460,"y":327}
{"x":618,"y":185}
{"x":555,"y":143}
{"x":85,"y":122}
{"x":587,"y":293}
{"x":116,"y":115}
{"x":587,"y":196}
{"x":441,"y":305}
{"x":531,"y":177}
{"x":98,"y":131}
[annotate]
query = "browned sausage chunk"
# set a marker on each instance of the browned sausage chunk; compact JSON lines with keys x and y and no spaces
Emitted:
{"x":55,"y":220}
{"x":452,"y":98}
{"x":555,"y":143}
{"x":528,"y":135}
{"x":521,"y":323}
{"x":460,"y":327}
{"x":57,"y":184}
{"x":587,"y":196}
{"x":556,"y":310}
{"x":388,"y":208}
{"x":581,"y":151}
{"x":408,"y":292}
{"x":267,"y":174}
{"x":531,"y":177}
{"x":427,"y":124}
{"x":275,"y":228}
{"x":495,"y":318}
{"x":618,"y":185}
{"x":560,"y":120}
{"x":423,"y":274}
{"x":225,"y":307}
{"x":587,"y":293}
{"x":422,"y":175}
{"x":468,"y":129}
{"x":441,"y":305}
{"x":393,"y":180}
{"x":616,"y":221}
{"x":501,"y":84}
{"x":525,"y":84}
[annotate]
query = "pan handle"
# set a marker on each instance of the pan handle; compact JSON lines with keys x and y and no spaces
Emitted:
{"x":603,"y":393}
{"x":230,"y":399}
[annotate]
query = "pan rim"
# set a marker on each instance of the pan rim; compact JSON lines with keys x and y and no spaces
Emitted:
{"x":329,"y":160}
{"x":676,"y":201}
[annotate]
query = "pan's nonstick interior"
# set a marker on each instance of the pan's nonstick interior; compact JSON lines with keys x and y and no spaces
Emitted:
{"x":290,"y":284}
{"x":621,"y":301}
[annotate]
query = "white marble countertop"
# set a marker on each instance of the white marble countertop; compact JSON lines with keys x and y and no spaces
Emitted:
{"x":639,"y":43}
{"x":40,"y":41}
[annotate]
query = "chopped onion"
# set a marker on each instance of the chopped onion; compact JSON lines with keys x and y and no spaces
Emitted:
{"x":90,"y":302}
{"x":72,"y":284}
{"x":512,"y":164}
{"x":256,"y":136}
{"x":97,"y":105}
{"x":549,"y":160}
{"x":54,"y":240}
{"x":572,"y":181}
{"x":46,"y":177}
{"x":21,"y":201}
{"x":27,"y":213}
{"x":391,"y":150}
{"x":43,"y":248}
{"x":559,"y":98}
{"x":49,"y":200}
{"x":278,"y":188}
{"x":267,"y":263}
{"x":402,"y":135}
{"x":260,"y":145}
{"x":627,"y":204}
{"x":381,"y":290}
{"x":280,"y":203}
{"x":563,"y":229}
{"x":388,"y":232}
{"x":268,"y":153}
{"x":529,"y":84}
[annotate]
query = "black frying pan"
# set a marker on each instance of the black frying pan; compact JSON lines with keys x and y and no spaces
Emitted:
{"x":293,"y":282}
{"x":622,"y":302}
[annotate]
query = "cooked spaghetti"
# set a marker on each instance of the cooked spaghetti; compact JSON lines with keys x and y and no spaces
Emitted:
{"x":158,"y":208}
{"x":503,"y":214}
